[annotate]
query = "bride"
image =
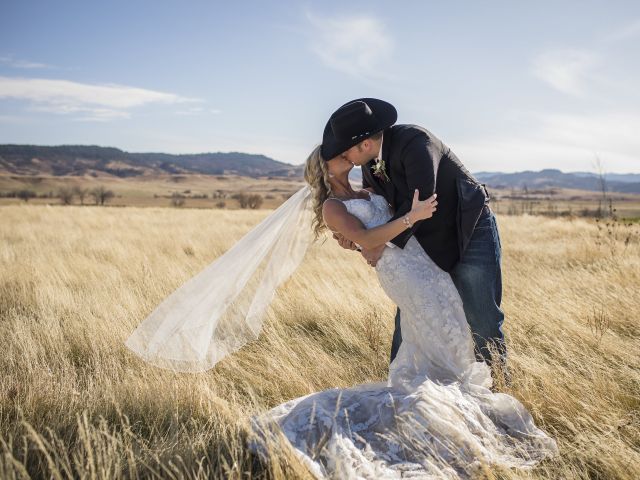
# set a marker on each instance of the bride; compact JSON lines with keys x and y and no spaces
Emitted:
{"x":435,"y":416}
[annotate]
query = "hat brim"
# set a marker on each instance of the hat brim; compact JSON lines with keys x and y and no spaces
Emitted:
{"x":385,"y":114}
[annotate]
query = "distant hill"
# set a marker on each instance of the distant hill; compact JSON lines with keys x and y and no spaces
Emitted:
{"x":551,"y":178}
{"x":616,"y":177}
{"x":95,"y":160}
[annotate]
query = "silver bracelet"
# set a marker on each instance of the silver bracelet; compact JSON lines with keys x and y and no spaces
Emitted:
{"x":406,"y":220}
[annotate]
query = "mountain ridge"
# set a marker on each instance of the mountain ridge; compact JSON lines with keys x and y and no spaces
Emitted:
{"x":554,"y":178}
{"x":94,"y":160}
{"x":77,"y":160}
{"x":549,"y":178}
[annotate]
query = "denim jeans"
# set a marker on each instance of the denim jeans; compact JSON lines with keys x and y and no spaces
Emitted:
{"x":478,"y":278}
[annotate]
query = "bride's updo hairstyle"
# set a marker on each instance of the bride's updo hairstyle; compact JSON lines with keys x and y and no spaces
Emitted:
{"x":316,"y":175}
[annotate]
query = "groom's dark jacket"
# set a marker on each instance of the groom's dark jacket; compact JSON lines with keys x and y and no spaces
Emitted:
{"x":410,"y":154}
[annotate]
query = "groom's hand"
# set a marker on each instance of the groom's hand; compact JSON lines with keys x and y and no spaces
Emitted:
{"x":372,"y":255}
{"x":344,"y":242}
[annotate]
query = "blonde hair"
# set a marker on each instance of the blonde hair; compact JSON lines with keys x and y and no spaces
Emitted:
{"x":316,"y":174}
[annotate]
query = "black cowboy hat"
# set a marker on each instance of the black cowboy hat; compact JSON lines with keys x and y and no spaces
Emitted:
{"x":353,"y":122}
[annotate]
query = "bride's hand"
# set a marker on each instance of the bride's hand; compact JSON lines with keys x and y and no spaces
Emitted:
{"x":422,"y":209}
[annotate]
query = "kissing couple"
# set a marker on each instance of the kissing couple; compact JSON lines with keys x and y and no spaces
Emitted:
{"x":424,"y":223}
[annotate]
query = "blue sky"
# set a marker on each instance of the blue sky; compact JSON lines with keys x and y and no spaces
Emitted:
{"x":507,"y":85}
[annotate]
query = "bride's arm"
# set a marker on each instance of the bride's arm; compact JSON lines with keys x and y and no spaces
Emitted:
{"x":337,"y":218}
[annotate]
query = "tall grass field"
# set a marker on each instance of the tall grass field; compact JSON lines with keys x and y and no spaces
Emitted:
{"x":76,"y":403}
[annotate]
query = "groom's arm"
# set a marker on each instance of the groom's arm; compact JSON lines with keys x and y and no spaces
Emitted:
{"x":417,"y":159}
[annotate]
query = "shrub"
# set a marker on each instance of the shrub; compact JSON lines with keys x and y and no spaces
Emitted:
{"x":177,"y":199}
{"x":245,"y":200}
{"x":255,"y":201}
{"x":65,"y":195}
{"x":242,"y":198}
{"x":25,"y":194}
{"x":101,"y":195}
{"x":81,"y":193}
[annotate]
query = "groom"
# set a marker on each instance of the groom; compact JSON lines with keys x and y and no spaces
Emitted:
{"x":461,"y":237}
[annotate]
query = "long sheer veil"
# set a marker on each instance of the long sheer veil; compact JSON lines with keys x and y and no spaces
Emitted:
{"x":221,"y":308}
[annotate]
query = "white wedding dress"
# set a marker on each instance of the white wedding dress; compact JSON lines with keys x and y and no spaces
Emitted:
{"x":435,"y":417}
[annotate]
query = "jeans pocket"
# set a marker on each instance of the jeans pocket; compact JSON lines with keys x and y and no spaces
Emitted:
{"x":483,"y":248}
{"x":482,"y":234}
{"x":485,"y":221}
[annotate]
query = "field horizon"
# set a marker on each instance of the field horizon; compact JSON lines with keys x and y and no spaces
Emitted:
{"x":221,"y":191}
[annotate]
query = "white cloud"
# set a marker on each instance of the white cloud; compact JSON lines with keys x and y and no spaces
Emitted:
{"x":95,"y":102}
{"x":80,"y":112}
{"x":607,"y":121}
{"x":357,"y":46}
{"x":12,"y":119}
{"x":198,"y":110}
{"x":10,"y":61}
{"x":631,"y":30}
{"x":597,"y":132}
{"x":108,"y":95}
{"x":566,"y":70}
{"x":564,"y":141}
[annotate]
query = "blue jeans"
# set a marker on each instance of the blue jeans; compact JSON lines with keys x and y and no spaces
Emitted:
{"x":478,"y":278}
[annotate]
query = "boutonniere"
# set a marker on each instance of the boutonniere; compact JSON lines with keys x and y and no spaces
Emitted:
{"x":380,"y":171}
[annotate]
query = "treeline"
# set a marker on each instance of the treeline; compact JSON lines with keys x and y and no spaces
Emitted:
{"x":101,"y":196}
{"x":247,"y":201}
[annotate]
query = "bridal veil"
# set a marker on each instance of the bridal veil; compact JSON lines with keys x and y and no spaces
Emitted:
{"x":222,"y":308}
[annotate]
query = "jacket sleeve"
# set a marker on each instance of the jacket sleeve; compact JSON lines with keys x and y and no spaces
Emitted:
{"x":417,"y":160}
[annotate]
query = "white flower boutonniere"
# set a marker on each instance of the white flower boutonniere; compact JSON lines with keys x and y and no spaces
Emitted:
{"x":380,"y":171}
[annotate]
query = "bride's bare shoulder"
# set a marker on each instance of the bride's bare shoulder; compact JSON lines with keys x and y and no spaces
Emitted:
{"x":333,"y":208}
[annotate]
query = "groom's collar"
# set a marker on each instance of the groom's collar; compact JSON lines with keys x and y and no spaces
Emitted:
{"x":381,"y":143}
{"x":384,"y":146}
{"x":383,"y":153}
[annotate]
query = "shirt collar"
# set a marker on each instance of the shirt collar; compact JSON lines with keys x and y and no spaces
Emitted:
{"x":380,"y":152}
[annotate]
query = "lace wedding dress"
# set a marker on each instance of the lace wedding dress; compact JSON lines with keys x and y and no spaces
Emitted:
{"x":435,"y":417}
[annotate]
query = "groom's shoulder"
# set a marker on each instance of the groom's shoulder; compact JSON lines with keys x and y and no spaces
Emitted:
{"x":408,"y":131}
{"x":403,"y":136}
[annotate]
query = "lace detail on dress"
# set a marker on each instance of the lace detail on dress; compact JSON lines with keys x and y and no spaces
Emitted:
{"x":372,"y":212}
{"x":432,"y":312}
{"x":435,"y":416}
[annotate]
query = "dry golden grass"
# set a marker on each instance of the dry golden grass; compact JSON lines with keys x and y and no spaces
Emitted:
{"x":74,"y":402}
